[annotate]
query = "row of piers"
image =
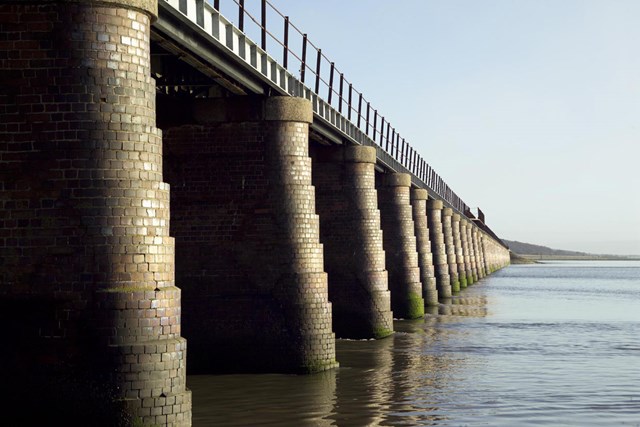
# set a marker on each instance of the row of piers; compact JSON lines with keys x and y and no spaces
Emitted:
{"x":270,"y":244}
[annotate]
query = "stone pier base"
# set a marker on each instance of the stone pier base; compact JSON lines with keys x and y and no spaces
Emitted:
{"x":438,"y":248}
{"x":255,"y":292}
{"x":346,"y":200}
{"x":400,"y":245}
{"x":419,"y":199}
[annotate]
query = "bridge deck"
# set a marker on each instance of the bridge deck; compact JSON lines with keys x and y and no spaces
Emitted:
{"x":201,"y":36}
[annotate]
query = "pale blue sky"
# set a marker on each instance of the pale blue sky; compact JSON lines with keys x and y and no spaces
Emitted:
{"x":529,"y":109}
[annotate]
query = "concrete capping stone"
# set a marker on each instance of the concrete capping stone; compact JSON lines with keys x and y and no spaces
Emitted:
{"x":396,"y":180}
{"x":288,"y":109}
{"x":455,"y":217}
{"x":447,"y":212}
{"x":419,"y":194}
{"x":150,"y":7}
{"x":360,"y":154}
{"x":433,"y":204}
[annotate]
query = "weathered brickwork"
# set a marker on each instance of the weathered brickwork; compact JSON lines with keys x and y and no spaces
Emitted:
{"x":346,"y":201}
{"x":419,"y":199}
{"x":400,"y":245}
{"x":84,"y":215}
{"x":496,"y":256}
{"x":438,"y":248}
{"x":474,"y":250}
{"x":459,"y":251}
{"x":249,"y":256}
{"x":466,"y":248}
{"x":482,"y":271}
{"x":452,"y":259}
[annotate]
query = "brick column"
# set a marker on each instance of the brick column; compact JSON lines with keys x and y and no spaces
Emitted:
{"x":481,"y":254}
{"x":88,"y":264}
{"x":255,"y":292}
{"x":472,"y":252}
{"x":478,"y":248}
{"x":419,"y":199}
{"x":400,"y":245}
{"x":438,"y":248}
{"x":457,"y":242}
{"x":297,"y":262}
{"x":464,"y":228}
{"x":452,"y":259}
{"x":346,"y":201}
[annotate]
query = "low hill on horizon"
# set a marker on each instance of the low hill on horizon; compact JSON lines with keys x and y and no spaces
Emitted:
{"x":531,"y":249}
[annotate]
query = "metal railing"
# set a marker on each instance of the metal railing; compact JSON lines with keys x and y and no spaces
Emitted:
{"x":333,"y":94}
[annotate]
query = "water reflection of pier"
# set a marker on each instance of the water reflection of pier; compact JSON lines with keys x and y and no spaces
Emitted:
{"x":405,"y":379}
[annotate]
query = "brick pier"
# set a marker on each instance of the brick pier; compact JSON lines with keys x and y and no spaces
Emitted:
{"x":88,"y":293}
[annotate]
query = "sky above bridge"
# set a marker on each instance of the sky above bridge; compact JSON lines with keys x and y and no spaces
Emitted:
{"x":529,"y":109}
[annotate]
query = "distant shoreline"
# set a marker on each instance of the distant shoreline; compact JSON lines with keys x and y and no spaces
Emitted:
{"x":534,"y":258}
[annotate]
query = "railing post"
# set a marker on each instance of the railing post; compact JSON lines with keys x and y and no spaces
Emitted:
{"x":331,"y":82}
{"x":241,"y":15}
{"x":263,"y":20}
{"x":200,"y":13}
{"x":340,"y":94}
{"x":403,"y":158}
{"x":303,"y":64}
{"x":216,"y":5}
{"x":367,"y":119}
{"x":318,"y":62}
{"x":359,"y":109}
{"x":407,"y":154}
{"x":394,"y":146}
{"x":388,"y":130}
{"x":285,"y":51}
{"x":375,"y":124}
{"x":411,"y":159}
{"x":397,"y":140}
{"x":350,"y":93}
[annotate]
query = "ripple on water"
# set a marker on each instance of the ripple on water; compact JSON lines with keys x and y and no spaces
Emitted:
{"x":551,"y":345}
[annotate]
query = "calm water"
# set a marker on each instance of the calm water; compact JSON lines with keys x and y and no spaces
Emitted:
{"x":554,"y":344}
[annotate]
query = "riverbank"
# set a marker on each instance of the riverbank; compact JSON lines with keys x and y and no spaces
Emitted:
{"x":533,"y":258}
{"x":521,"y":259}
